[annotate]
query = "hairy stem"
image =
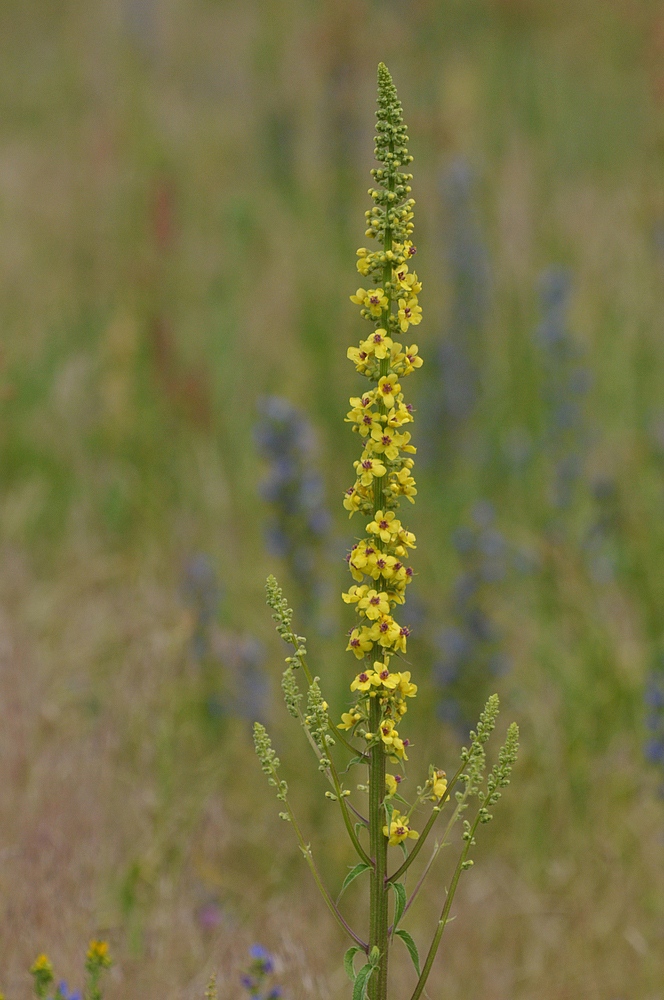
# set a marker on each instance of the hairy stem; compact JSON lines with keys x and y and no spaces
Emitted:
{"x":378,"y":847}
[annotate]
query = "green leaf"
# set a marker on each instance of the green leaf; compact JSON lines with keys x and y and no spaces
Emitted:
{"x":348,"y":962}
{"x":352,"y":875}
{"x":389,"y":809}
{"x":351,"y":762}
{"x":400,"y":900}
{"x":412,"y":949}
{"x":361,"y":980}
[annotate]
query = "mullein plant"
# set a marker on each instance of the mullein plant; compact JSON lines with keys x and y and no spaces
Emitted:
{"x":371,"y":731}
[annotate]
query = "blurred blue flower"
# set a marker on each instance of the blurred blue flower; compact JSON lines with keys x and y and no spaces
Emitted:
{"x":62,"y":992}
{"x":468,"y":649}
{"x":654,"y":701}
{"x":294,"y":489}
{"x":256,"y":979}
{"x":452,"y":398}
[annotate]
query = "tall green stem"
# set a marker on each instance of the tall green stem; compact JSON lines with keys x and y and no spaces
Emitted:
{"x":378,"y":850}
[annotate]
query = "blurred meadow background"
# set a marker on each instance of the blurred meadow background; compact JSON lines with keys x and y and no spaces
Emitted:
{"x":182,"y":189}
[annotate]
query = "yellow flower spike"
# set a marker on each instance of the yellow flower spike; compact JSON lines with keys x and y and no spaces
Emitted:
{"x":98,"y":954}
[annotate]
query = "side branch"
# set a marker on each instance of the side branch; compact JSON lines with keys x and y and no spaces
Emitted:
{"x":421,"y":982}
{"x":426,"y":831}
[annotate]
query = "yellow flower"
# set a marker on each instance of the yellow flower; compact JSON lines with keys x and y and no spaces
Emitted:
{"x":348,"y":719}
{"x":359,"y":357}
{"x":407,"y":538}
{"x":409,"y":283}
{"x":384,"y":566}
{"x":406,"y":689}
{"x":369,"y":469}
{"x":352,"y":501}
{"x":410,"y":313}
{"x":386,"y":525}
{"x":390,"y":785}
{"x":361,"y":415}
{"x":388,"y":387}
{"x":378,"y":344}
{"x":364,"y":262}
{"x":360,"y":642}
{"x":373,"y":604}
{"x":363,"y":558}
{"x":439,"y":786}
{"x":404,"y":485}
{"x":399,"y":830}
{"x":374,"y":301}
{"x":399,"y":642}
{"x":385,"y":442}
{"x":386,"y":631}
{"x":364,"y":680}
{"x":355,"y":593}
{"x":412,"y":358}
{"x":400,"y":415}
{"x":388,"y":732}
{"x":388,"y":680}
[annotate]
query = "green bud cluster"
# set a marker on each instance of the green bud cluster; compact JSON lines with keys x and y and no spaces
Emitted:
{"x":318,"y":723}
{"x":269,"y":763}
{"x":283,"y":616}
{"x":292,"y":694}
{"x":390,"y":211}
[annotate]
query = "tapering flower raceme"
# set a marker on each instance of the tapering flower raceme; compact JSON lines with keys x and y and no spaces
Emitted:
{"x":377,"y":562}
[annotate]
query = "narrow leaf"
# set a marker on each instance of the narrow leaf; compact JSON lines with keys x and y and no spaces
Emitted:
{"x":352,"y":875}
{"x":361,"y":980}
{"x":412,"y":949}
{"x":400,"y":900}
{"x":348,"y":962}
